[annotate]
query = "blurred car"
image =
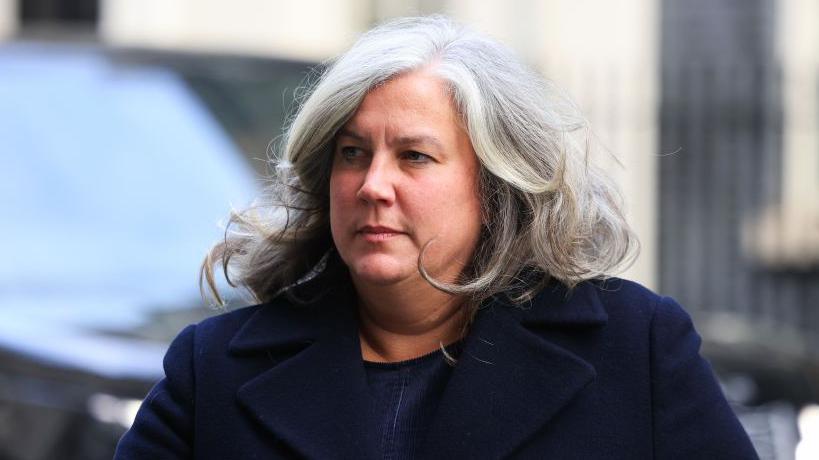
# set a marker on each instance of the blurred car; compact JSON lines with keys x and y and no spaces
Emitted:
{"x":117,"y":166}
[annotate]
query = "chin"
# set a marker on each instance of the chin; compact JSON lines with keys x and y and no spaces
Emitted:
{"x":382,"y":272}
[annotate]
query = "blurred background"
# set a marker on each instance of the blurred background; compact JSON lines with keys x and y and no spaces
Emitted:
{"x":129,"y":129}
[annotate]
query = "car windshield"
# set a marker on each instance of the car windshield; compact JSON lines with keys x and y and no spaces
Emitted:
{"x":113,"y":180}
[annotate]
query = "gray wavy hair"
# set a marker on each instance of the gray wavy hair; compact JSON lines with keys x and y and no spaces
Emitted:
{"x":548,"y":211}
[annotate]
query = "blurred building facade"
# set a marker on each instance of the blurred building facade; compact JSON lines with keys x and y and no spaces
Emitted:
{"x":602,"y":54}
{"x":738,"y":199}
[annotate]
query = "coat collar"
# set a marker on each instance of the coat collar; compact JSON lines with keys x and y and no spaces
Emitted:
{"x":510,"y":379}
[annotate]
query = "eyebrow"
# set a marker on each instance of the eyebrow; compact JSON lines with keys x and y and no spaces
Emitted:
{"x":351,"y":134}
{"x":419,"y":139}
{"x":402,"y":140}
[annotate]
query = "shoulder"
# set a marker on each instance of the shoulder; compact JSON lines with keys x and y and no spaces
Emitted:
{"x":249,"y":326}
{"x":195,"y":340}
{"x":226,"y":324}
{"x":628,"y":301}
{"x":638,"y":313}
{"x":658,"y":324}
{"x":298,"y":314}
{"x":617,"y":315}
{"x":220,"y":327}
{"x":280,"y":324}
{"x":614,"y":302}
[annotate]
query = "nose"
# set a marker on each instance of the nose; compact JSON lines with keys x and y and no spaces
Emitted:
{"x":378,"y":186}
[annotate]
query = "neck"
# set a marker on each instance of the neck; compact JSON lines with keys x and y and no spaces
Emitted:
{"x":399,"y":323}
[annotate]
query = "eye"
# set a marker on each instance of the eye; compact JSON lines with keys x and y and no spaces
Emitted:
{"x":350,"y":153}
{"x":416,"y":157}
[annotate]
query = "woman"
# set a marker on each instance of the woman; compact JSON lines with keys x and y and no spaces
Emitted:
{"x":431,"y":269}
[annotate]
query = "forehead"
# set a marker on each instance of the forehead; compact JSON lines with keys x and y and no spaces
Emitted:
{"x":418,"y":95}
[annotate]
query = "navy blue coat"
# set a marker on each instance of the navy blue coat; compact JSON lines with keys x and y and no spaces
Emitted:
{"x":610,"y":371}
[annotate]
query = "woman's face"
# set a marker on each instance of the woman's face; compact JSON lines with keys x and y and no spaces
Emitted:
{"x":404,"y":174}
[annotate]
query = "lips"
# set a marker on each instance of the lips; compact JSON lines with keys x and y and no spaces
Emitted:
{"x":377,"y":233}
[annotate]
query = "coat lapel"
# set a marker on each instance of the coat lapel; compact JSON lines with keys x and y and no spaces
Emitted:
{"x":509,"y":381}
{"x":316,"y":400}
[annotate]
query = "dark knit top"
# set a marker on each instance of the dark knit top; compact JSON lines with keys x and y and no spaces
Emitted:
{"x":405,"y":395}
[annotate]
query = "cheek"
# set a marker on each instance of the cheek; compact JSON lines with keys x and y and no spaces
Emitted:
{"x":448,"y":202}
{"x":469,"y":209}
{"x":341,"y":198}
{"x":463,"y":191}
{"x":342,"y":189}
